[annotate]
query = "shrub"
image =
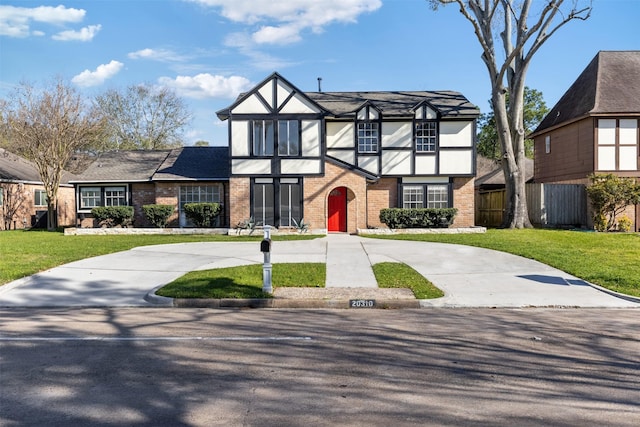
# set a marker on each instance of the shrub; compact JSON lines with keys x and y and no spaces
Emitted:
{"x":112,"y":216}
{"x":202,"y":214}
{"x":158,"y":215}
{"x":610,"y":195}
{"x":624,"y":223}
{"x":417,"y":218}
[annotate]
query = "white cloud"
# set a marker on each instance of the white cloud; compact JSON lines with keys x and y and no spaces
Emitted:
{"x":162,"y":55}
{"x":207,"y":86}
{"x":84,"y":35}
{"x":94,"y":78}
{"x":16,"y":21}
{"x":284,"y":21}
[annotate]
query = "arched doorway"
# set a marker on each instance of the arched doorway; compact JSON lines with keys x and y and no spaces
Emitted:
{"x":337,"y":210}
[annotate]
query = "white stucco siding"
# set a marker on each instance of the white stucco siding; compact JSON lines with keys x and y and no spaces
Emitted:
{"x":346,"y":156}
{"x":397,"y":135}
{"x":251,"y":105}
{"x":396,"y":162}
{"x":300,"y":166}
{"x":369,"y":163}
{"x":298,"y":105}
{"x":340,"y":135}
{"x":425,"y":165}
{"x":310,"y":130}
{"x":456,"y":162}
{"x":456,"y":134}
{"x":251,"y":166}
{"x":239,"y":138}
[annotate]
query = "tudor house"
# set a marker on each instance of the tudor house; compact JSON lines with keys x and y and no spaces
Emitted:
{"x":335,"y":159}
{"x":595,"y":126}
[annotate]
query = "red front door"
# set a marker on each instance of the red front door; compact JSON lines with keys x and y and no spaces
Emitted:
{"x":337,"y":207}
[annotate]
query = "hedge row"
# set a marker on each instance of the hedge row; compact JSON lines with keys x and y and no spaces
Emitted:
{"x":417,"y":218}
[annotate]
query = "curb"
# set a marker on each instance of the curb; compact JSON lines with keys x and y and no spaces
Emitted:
{"x":389,"y":304}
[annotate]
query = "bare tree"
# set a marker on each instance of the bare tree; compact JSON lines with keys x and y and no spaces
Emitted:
{"x":143,"y":117}
{"x":11,"y":200}
{"x":47,"y":126}
{"x":520,"y":33}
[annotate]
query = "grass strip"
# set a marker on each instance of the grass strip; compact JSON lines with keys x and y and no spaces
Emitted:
{"x":243,"y":281}
{"x":400,"y":275}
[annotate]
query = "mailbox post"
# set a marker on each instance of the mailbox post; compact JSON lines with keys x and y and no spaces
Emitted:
{"x":265,"y":248}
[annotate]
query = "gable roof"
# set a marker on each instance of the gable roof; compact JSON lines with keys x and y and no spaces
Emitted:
{"x":14,"y":168}
{"x":179,"y":164}
{"x":610,"y":84}
{"x":195,"y":163}
{"x":490,"y":174}
{"x":395,"y":103}
{"x":448,"y":104}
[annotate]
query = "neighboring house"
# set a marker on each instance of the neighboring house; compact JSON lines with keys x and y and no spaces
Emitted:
{"x":335,"y":159}
{"x":23,"y":199}
{"x":137,"y":178}
{"x":595,"y":126}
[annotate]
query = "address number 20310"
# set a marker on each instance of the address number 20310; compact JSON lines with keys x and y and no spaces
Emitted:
{"x":362,"y":303}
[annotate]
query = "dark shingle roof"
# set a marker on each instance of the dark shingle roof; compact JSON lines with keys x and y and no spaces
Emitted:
{"x":185,"y":163}
{"x":395,"y":103}
{"x":16,"y":168}
{"x":138,"y":165}
{"x":609,"y":85}
{"x":195,"y":163}
{"x":489,"y":172}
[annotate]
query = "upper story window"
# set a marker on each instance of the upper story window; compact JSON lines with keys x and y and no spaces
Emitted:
{"x":426,"y":137}
{"x":262,"y":133}
{"x":288,"y":138}
{"x":368,"y":137}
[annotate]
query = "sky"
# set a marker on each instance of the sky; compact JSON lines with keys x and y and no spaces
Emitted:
{"x":209,"y":51}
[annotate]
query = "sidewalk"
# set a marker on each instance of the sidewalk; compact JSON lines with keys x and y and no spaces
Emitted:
{"x":470,"y":277}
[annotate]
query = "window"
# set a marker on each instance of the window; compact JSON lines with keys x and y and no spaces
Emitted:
{"x":288,"y":138}
{"x":547,"y":144}
{"x":92,"y":197}
{"x":263,"y":202}
{"x":290,"y":206}
{"x":426,"y":136}
{"x":211,"y":193}
{"x":263,"y":137}
{"x":277,"y":202}
{"x":412,"y":197}
{"x":89,"y":197}
{"x":1,"y":196}
{"x":40,"y":198}
{"x":115,"y":196}
{"x":437,"y":196}
{"x":367,"y":137}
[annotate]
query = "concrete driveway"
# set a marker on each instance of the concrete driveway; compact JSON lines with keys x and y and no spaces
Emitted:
{"x":470,"y":277}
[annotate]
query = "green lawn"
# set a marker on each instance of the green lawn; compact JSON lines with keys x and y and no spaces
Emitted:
{"x":244,"y":281}
{"x":611,"y":260}
{"x":399,"y":275}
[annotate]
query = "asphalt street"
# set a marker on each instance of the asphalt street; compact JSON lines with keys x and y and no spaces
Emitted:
{"x":202,"y":367}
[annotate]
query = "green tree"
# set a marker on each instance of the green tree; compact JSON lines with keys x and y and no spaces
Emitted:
{"x":142,"y":117}
{"x":201,"y":143}
{"x":510,"y":33}
{"x":48,"y":126}
{"x":534,"y":111}
{"x":610,"y":195}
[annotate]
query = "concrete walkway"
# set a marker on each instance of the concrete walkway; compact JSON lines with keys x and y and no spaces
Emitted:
{"x":470,"y":277}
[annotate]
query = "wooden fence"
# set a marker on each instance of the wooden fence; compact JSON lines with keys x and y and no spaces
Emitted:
{"x":550,"y":205}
